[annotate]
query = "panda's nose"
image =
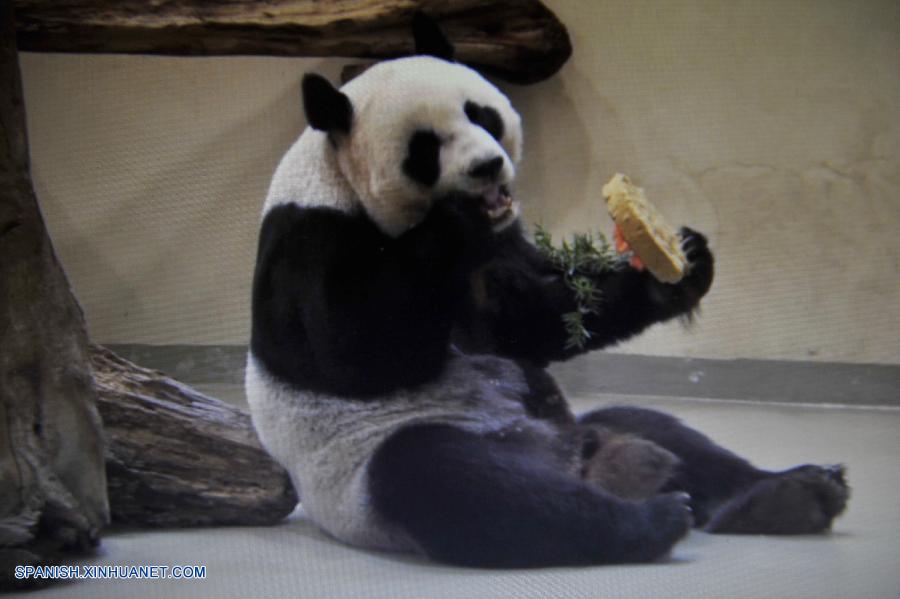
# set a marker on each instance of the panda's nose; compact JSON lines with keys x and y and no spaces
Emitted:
{"x":487,"y":169}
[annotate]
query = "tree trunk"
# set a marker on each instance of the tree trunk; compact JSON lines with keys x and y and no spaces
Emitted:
{"x":519,"y":40}
{"x":179,"y":458}
{"x":52,"y":476}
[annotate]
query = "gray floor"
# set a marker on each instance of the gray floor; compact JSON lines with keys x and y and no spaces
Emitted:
{"x":859,"y":559}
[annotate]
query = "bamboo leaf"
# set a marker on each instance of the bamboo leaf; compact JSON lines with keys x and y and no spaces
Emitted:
{"x":580,"y":261}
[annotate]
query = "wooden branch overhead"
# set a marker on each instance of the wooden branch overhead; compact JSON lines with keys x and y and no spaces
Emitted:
{"x":518,"y":40}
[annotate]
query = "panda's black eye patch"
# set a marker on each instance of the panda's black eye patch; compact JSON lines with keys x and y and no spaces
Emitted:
{"x":485,"y":117}
{"x":422,"y":161}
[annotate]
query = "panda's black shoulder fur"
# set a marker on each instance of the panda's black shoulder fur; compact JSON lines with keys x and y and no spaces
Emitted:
{"x":343,"y":308}
{"x":340,"y":307}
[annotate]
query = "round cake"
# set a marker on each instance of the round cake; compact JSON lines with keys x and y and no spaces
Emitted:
{"x":644,"y":229}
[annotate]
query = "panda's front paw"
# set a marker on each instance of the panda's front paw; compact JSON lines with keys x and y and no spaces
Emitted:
{"x":455,"y":237}
{"x":699,"y":275}
{"x":467,"y":210}
{"x":462,"y":222}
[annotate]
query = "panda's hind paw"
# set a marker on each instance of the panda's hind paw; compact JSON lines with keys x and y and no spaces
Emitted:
{"x":802,"y":500}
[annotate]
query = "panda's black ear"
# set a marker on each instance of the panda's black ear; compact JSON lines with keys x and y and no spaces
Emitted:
{"x":430,"y":40}
{"x":327,"y":109}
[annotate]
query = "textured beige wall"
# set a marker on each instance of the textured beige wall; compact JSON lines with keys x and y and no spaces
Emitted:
{"x":772,"y":126}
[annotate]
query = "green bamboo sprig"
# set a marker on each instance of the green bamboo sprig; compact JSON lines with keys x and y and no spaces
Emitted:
{"x":585,"y":257}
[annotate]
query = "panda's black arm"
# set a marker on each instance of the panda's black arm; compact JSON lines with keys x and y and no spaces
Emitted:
{"x":340,"y":307}
{"x":520,"y":299}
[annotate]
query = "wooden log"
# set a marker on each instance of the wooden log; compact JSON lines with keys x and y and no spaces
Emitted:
{"x":519,"y":40}
{"x":176,"y":457}
{"x":52,"y":476}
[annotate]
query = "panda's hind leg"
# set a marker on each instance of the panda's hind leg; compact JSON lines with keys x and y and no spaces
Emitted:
{"x":483,"y":501}
{"x":728,"y":494}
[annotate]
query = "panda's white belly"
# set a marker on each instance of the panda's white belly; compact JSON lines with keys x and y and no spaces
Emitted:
{"x":325,"y":442}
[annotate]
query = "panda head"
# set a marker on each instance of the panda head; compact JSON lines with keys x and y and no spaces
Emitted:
{"x":408,"y":130}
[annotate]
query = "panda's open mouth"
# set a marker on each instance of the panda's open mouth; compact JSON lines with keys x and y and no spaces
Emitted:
{"x":499,"y":206}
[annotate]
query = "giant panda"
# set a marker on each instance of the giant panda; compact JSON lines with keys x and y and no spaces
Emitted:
{"x":401,"y":326}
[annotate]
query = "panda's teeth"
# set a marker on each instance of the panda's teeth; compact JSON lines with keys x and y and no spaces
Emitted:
{"x":501,"y":211}
{"x":496,"y":213}
{"x":503,"y":218}
{"x":497,"y":203}
{"x":497,"y":197}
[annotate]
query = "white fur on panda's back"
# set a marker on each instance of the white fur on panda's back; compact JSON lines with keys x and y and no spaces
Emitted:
{"x":326,"y":442}
{"x":308,"y":175}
